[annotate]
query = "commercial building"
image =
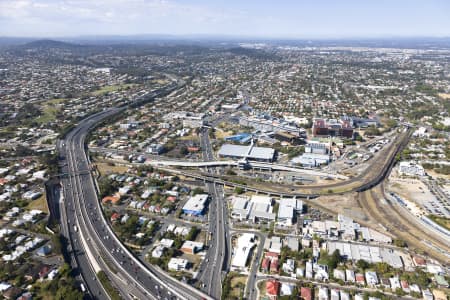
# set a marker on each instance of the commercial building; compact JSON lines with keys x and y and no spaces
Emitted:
{"x":194,"y":120}
{"x":262,"y":208}
{"x":258,"y":208}
{"x":409,"y":168}
{"x":287,"y":210}
{"x":311,"y":159}
{"x":332,"y":127}
{"x":247,"y":152}
{"x":196,"y":205}
{"x":316,"y":148}
{"x":244,"y":245}
{"x":266,"y":123}
{"x":191,"y":247}
{"x":241,"y":208}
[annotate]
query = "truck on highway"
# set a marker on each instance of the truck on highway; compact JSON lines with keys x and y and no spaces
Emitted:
{"x":83,"y":289}
{"x":75,"y":228}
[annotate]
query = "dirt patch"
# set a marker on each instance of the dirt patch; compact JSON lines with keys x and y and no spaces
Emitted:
{"x":107,"y":168}
{"x":40,"y":204}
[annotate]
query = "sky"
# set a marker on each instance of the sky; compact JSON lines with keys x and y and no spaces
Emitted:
{"x":245,"y":18}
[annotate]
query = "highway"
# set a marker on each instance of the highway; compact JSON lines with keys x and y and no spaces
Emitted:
{"x":217,"y":258}
{"x":96,"y":245}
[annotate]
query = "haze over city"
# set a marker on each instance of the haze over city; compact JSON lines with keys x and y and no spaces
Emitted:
{"x":268,"y":19}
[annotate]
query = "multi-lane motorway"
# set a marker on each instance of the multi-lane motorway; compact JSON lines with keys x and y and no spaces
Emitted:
{"x":94,"y":245}
{"x":219,"y":245}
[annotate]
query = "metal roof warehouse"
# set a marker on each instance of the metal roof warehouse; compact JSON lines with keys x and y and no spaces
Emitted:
{"x":249,"y":152}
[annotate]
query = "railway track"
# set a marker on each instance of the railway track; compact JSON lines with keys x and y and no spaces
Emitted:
{"x":398,"y":224}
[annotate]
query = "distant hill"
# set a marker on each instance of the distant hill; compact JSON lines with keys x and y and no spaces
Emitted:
{"x":50,"y":44}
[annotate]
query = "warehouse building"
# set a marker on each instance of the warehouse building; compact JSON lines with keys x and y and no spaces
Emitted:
{"x":196,"y":205}
{"x":247,"y":152}
{"x":311,"y":159}
{"x":411,"y":169}
{"x":258,"y":208}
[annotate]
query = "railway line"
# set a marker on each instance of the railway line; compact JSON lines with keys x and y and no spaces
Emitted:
{"x":398,"y":224}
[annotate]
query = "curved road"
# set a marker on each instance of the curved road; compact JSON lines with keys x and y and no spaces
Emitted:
{"x":86,"y":211}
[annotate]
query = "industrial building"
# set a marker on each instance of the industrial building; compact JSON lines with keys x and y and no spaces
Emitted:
{"x":196,"y":205}
{"x":287,"y":210}
{"x":242,"y":138}
{"x":411,"y":169}
{"x":311,"y":160}
{"x":371,"y":254}
{"x":250,"y":152}
{"x":332,"y":127}
{"x":257,"y":208}
{"x":266,"y":123}
{"x":287,"y":137}
{"x":316,"y":148}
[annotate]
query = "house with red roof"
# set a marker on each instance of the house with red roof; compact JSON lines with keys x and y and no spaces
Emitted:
{"x":111,"y":199}
{"x":274,"y":265}
{"x":360,"y":279}
{"x":115,"y":216}
{"x":272,"y":288}
{"x":305,"y":293}
{"x":172,"y":199}
{"x":265,"y":265}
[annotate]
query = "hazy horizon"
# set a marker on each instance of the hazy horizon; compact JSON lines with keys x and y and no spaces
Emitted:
{"x":323,"y":19}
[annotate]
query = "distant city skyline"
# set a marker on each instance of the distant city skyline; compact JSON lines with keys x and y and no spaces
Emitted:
{"x":265,"y":19}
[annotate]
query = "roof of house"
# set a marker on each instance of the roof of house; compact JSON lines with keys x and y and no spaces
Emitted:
{"x":272,"y":287}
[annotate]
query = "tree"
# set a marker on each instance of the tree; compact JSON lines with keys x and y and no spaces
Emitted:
{"x":362,"y":264}
{"x":400,"y":243}
{"x":197,"y":191}
{"x":57,"y":243}
{"x":238,"y":190}
{"x":382,"y":268}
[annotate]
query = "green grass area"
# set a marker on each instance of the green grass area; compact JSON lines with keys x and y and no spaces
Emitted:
{"x":48,"y":114}
{"x":112,"y":292}
{"x":56,"y":101}
{"x":112,"y":88}
{"x":444,"y":222}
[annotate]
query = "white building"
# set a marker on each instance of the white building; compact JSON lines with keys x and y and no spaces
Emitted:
{"x":241,"y":208}
{"x":287,"y":210}
{"x":261,"y":209}
{"x":158,"y":251}
{"x":177,"y":264}
{"x":289,"y":266}
{"x":323,"y":293}
{"x":244,"y":245}
{"x":371,"y":278}
{"x":411,"y":169}
{"x":196,"y":205}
